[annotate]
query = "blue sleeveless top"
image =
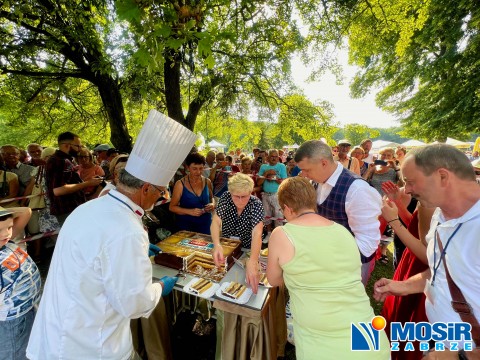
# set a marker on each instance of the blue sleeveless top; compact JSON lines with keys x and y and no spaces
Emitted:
{"x":189,"y":200}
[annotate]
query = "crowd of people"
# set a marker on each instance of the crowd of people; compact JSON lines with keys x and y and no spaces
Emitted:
{"x":340,"y":205}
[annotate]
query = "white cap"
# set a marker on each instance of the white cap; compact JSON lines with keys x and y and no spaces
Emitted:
{"x":161,"y":147}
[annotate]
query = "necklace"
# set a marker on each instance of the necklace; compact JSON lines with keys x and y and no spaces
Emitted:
{"x":306,"y":213}
{"x":199,"y":197}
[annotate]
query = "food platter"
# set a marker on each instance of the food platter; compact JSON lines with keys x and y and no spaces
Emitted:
{"x":243,"y":299}
{"x":207,"y":293}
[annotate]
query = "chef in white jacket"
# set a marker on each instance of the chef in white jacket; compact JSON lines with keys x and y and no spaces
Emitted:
{"x":100,"y":276}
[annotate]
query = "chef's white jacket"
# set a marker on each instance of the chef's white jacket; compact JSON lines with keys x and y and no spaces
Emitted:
{"x":100,"y":277}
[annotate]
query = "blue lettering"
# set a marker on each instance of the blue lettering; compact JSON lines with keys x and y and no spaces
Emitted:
{"x":424,"y":346}
{"x":401,"y":332}
{"x":423,"y":331}
{"x":468,"y":346}
{"x":439,"y":331}
{"x":395,"y":346}
{"x":454,"y":346}
{"x":462,"y":329}
{"x":439,"y":346}
{"x":409,"y":347}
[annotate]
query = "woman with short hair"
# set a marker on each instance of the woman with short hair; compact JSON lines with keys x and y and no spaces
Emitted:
{"x":246,"y":166}
{"x":192,"y":198}
{"x":88,"y":170}
{"x":359,"y":154}
{"x":324,"y":283}
{"x":240,"y":215}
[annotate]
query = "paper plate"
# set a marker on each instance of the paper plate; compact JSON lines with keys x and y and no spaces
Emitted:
{"x":206,"y":294}
{"x":265,"y":283}
{"x":241,"y":300}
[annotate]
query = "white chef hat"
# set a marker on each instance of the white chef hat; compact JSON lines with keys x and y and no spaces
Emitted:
{"x":161,"y":147}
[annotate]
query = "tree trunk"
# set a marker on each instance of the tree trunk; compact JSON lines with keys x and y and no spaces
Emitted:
{"x":112,"y":100}
{"x":171,"y":70}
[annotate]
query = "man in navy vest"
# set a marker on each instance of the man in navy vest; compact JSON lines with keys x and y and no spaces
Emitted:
{"x":343,"y":197}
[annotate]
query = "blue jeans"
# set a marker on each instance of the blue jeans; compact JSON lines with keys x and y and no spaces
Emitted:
{"x":14,"y":335}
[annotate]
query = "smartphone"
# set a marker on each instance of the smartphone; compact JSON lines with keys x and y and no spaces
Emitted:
{"x":380,"y":162}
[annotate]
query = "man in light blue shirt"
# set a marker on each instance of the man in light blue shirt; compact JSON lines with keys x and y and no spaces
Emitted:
{"x":270,"y":177}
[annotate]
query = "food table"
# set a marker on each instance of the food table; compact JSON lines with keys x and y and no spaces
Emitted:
{"x":253,"y":330}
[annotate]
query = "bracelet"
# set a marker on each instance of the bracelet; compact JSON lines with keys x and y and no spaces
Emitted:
{"x":388,"y":222}
{"x":462,"y":355}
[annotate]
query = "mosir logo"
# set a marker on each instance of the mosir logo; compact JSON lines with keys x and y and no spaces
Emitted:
{"x":365,"y":336}
{"x":423,"y":332}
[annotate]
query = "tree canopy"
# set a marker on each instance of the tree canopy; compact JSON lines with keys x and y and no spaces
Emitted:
{"x":423,"y":55}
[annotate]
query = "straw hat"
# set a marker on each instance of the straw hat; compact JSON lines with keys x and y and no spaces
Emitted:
{"x":161,"y":147}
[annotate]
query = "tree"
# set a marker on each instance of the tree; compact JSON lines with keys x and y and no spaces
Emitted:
{"x":355,"y":133}
{"x":424,"y":56}
{"x":299,"y":120}
{"x":228,"y":54}
{"x":57,"y":40}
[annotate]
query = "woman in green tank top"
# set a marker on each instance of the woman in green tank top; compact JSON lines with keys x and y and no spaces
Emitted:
{"x":319,"y":262}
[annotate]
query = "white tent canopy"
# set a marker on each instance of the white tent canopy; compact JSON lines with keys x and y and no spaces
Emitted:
{"x":215,"y":144}
{"x":380,"y":144}
{"x":294,"y":146}
{"x":457,"y":143}
{"x":413,"y":143}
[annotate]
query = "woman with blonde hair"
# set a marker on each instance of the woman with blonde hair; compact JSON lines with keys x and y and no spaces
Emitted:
{"x":239,"y":215}
{"x":325,"y":284}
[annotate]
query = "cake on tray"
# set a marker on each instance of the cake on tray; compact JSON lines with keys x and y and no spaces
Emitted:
{"x":192,"y":252}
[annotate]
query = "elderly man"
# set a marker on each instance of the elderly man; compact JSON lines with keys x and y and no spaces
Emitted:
{"x":210,"y":163}
{"x":345,"y":198}
{"x":441,"y":176}
{"x":100,"y":276}
{"x":11,"y":157}
{"x":270,"y":177}
{"x":35,"y":152}
{"x":348,"y":162}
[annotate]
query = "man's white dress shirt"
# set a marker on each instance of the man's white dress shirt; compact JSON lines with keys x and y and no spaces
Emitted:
{"x":363,"y":206}
{"x":463,"y":262}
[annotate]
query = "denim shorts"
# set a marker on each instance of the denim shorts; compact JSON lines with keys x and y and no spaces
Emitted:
{"x":14,"y":335}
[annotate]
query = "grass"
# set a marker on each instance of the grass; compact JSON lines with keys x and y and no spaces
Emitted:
{"x":380,"y":271}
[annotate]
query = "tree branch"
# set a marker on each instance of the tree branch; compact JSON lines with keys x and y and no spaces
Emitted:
{"x":78,"y":75}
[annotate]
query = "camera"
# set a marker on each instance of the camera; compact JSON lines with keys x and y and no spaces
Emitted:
{"x":380,"y":162}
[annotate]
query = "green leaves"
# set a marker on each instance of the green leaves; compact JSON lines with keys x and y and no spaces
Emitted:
{"x":128,"y":10}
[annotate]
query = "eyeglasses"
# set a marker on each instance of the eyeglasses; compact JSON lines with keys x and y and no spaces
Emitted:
{"x":162,"y":192}
{"x":240,"y":197}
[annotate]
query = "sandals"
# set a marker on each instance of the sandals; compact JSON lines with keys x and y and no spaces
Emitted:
{"x":383,"y":259}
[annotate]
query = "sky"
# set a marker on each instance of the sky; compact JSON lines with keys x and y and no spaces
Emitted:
{"x":346,"y":110}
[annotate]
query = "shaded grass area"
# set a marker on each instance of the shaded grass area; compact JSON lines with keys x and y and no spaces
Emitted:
{"x":380,"y":271}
